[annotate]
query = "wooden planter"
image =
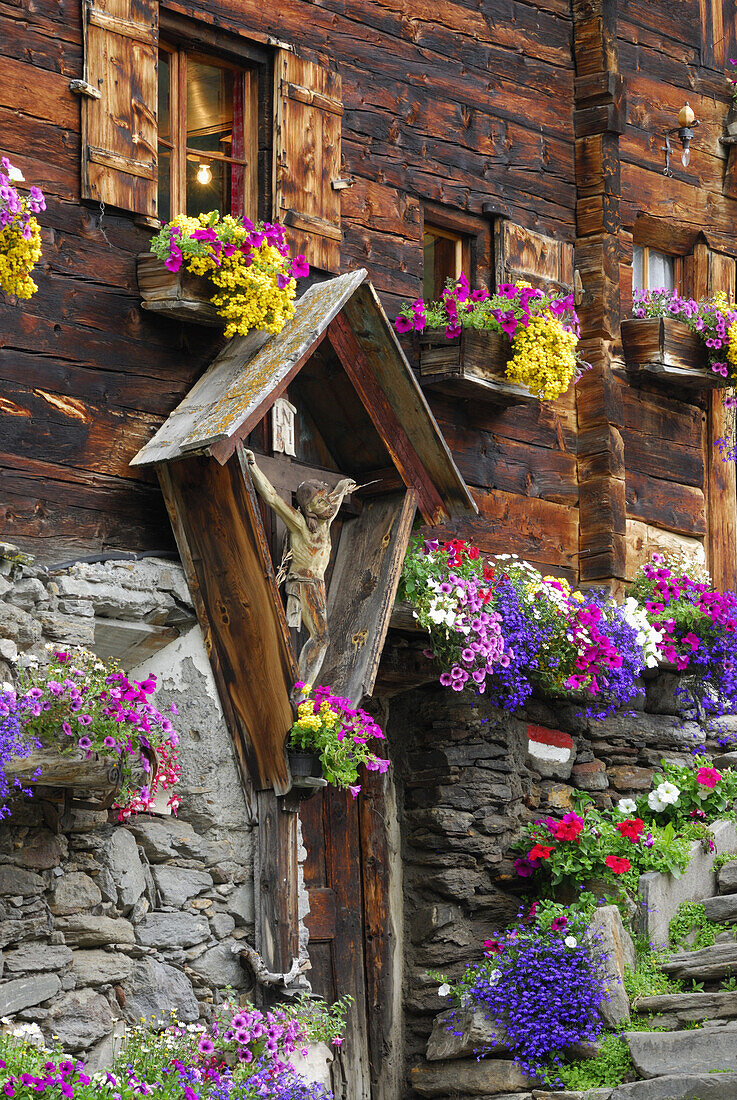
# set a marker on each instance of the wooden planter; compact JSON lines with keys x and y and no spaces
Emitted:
{"x":470,"y":365}
{"x":180,"y":295}
{"x":99,"y":775}
{"x":665,"y":350}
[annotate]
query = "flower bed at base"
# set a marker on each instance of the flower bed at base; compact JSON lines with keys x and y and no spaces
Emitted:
{"x":243,"y":1054}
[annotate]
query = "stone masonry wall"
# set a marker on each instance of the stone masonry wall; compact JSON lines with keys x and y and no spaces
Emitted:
{"x":102,"y":923}
{"x":468,"y":778}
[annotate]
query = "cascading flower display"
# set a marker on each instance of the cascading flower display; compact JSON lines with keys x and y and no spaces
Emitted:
{"x":14,"y":742}
{"x":79,"y":703}
{"x":248,"y":264}
{"x":698,"y":628}
{"x":501,"y":627}
{"x":540,"y":984}
{"x":542,"y":328}
{"x":715,"y":322}
{"x":20,"y":233}
{"x":339,"y":733}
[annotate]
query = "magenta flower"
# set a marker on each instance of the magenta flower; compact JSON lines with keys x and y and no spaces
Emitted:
{"x":84,"y":743}
{"x":206,"y":1046}
{"x":708,"y":777}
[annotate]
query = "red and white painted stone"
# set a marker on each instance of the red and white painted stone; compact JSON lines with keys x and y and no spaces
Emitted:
{"x":551,"y":752}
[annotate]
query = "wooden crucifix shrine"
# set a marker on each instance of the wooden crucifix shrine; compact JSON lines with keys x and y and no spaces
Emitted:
{"x":360,"y":418}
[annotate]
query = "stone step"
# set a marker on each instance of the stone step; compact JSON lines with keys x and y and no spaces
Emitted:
{"x":715,"y":1086}
{"x":704,"y":1050}
{"x":673,"y":1010}
{"x":710,"y":964}
{"x":467,"y":1077}
{"x":721,"y":909}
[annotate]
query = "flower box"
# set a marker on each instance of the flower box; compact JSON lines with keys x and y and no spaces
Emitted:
{"x":470,"y":365}
{"x":100,"y":774}
{"x":179,"y":294}
{"x":661,"y":348}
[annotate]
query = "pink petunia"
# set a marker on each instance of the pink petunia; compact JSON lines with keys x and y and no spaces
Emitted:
{"x":708,"y":777}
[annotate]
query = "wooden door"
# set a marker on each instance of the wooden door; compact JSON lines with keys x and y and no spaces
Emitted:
{"x":331,"y":834}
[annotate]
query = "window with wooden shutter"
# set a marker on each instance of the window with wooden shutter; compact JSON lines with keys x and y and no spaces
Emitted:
{"x":119,"y":128}
{"x":307,"y":125}
{"x":522,"y":254}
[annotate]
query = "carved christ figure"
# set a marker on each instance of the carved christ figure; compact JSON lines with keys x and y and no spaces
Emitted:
{"x":309,"y":542}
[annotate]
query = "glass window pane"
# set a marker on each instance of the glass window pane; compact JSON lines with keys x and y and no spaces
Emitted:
{"x":660,"y":271}
{"x":208,"y":186}
{"x":164,"y":207}
{"x":209,"y":107}
{"x":164,"y":96}
{"x":440,"y":263}
{"x":428,"y":267}
{"x":637,"y":267}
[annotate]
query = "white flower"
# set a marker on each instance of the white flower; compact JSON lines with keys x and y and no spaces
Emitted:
{"x":494,"y":976}
{"x":444,"y":990}
{"x":655,"y":802}
{"x":570,"y":941}
{"x":15,"y":175}
{"x":626,"y":806}
{"x":668,"y":793}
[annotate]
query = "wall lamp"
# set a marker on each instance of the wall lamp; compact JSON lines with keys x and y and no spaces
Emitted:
{"x":686,"y":122}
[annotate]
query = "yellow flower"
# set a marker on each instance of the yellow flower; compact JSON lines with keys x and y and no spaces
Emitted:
{"x":18,"y":257}
{"x":544,"y":357}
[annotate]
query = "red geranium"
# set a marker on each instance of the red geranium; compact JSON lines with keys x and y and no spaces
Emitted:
{"x":540,"y":851}
{"x":618,"y":864}
{"x":569,"y":827}
{"x":492,"y":947}
{"x":631,"y":828}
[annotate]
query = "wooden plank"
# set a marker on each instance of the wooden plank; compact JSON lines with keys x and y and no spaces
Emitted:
{"x":667,"y":504}
{"x":38,"y":93}
{"x":277,"y":925}
{"x":218,"y":528}
{"x":365,"y":578}
{"x":320,"y":920}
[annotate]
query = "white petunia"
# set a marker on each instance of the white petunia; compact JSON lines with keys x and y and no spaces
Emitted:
{"x":570,"y":941}
{"x":668,"y":793}
{"x":655,"y":802}
{"x":627,"y":806}
{"x":444,"y":990}
{"x":15,"y":175}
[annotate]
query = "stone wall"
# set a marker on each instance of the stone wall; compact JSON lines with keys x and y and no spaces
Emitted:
{"x":102,"y":923}
{"x":468,"y":778}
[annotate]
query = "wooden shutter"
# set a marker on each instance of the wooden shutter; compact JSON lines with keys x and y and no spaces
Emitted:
{"x":308,"y":111}
{"x":119,"y":129}
{"x":531,"y":257}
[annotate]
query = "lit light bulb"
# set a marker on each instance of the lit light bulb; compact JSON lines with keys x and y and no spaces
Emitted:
{"x":204,"y":174}
{"x":685,"y":156}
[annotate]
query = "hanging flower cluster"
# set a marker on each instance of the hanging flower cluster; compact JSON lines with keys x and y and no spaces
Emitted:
{"x":540,"y":985}
{"x":542,"y":329}
{"x":79,"y":704}
{"x":498,"y":625}
{"x":698,"y":628}
{"x":249,"y":266}
{"x":14,"y":743}
{"x":339,"y":733}
{"x":20,"y":233}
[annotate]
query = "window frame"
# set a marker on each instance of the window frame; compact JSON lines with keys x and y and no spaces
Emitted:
{"x":182,"y":37}
{"x":678,"y":268}
{"x":475,"y":235}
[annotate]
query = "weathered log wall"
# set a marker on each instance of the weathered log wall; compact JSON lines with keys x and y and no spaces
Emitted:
{"x":446,"y":104}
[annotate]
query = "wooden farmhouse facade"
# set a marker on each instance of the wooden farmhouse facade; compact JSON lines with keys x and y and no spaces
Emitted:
{"x":399,"y":144}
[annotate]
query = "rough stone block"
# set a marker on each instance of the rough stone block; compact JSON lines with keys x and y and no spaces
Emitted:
{"x":219,"y":967}
{"x":674,"y":1009}
{"x":81,"y":930}
{"x":74,"y":892}
{"x":124,"y":864}
{"x":37,"y":956}
{"x":18,"y":626}
{"x":461,"y":1033}
{"x":96,"y":967}
{"x":42,"y":852}
{"x":177,"y":885}
{"x":155,"y":989}
{"x":68,"y":629}
{"x":17,"y":882}
{"x":705,"y":1050}
{"x":24,"y":992}
{"x":609,"y":935}
{"x":707,"y":965}
{"x":80,"y":1019}
{"x":627,"y":777}
{"x":241,"y":903}
{"x":468,"y":1078}
{"x":721,"y":909}
{"x":590,"y":776}
{"x":727,"y":877}
{"x":662,"y":894}
{"x":717,"y":1086}
{"x":172,"y":930}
